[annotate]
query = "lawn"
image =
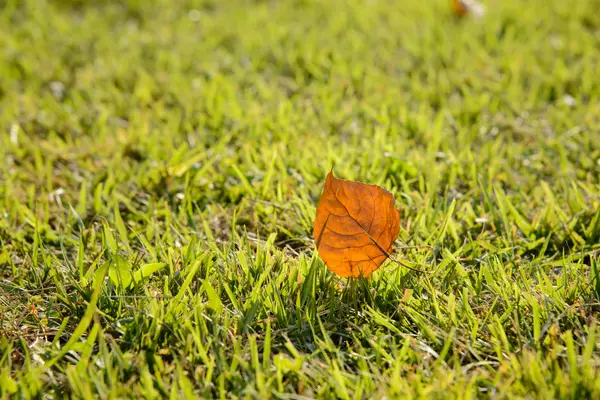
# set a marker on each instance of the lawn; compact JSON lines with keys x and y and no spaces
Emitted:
{"x":161,"y":163}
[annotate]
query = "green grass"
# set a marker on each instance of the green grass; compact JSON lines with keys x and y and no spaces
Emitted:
{"x":161,"y":163}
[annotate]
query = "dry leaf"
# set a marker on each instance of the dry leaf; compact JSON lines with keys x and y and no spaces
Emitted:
{"x":355,"y":227}
{"x":464,"y":7}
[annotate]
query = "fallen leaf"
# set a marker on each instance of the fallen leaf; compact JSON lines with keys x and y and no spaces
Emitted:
{"x":464,"y":7}
{"x":355,"y":226}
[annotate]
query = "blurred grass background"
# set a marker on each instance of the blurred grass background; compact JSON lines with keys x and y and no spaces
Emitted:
{"x":180,"y":148}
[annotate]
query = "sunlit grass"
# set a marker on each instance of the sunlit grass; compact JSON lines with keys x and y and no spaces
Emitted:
{"x":181,"y":146}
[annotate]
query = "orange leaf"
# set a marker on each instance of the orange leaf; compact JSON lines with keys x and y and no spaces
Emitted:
{"x":355,"y":227}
